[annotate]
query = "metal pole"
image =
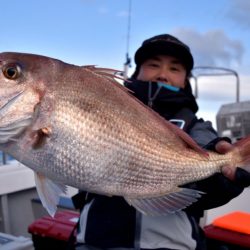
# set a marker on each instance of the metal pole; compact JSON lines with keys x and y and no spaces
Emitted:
{"x":5,"y":213}
{"x":128,"y":60}
{"x":4,"y":158}
{"x":237,"y":88}
{"x":195,"y":87}
{"x":227,"y":72}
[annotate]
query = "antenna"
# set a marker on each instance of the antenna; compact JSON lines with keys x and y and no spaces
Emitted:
{"x":127,"y":63}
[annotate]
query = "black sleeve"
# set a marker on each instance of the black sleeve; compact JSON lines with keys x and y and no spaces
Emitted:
{"x":218,"y":190}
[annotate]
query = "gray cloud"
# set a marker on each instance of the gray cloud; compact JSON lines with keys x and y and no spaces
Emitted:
{"x":213,"y":92}
{"x":239,"y":11}
{"x":217,"y":88}
{"x":212,"y":48}
{"x":222,"y":88}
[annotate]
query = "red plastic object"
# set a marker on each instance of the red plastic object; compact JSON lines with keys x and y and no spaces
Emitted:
{"x":232,"y":228}
{"x":60,"y":227}
{"x":236,"y":221}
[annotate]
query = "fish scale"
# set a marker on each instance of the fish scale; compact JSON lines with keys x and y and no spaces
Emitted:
{"x":77,"y":126}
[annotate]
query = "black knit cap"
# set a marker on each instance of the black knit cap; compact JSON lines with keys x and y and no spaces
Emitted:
{"x":164,"y":44}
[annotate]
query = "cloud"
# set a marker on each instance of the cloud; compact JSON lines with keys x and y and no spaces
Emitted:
{"x":213,"y":92}
{"x":103,"y":10}
{"x":123,"y":13}
{"x":212,"y":48}
{"x":239,"y":12}
{"x":216,"y":88}
{"x":222,"y":88}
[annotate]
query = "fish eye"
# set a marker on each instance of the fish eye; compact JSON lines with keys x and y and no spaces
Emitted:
{"x":12,"y":71}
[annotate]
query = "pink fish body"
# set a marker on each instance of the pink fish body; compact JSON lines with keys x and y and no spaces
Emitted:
{"x":77,"y":126}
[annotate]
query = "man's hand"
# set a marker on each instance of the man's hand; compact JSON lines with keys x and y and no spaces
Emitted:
{"x":223,"y":147}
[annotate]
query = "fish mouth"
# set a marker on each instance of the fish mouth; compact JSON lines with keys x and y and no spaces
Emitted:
{"x":11,"y":130}
{"x":5,"y":107}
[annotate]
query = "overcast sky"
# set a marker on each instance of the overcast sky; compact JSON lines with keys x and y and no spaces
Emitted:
{"x":96,"y":32}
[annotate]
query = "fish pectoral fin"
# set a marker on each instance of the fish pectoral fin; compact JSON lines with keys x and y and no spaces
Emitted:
{"x":172,"y":202}
{"x":49,"y":192}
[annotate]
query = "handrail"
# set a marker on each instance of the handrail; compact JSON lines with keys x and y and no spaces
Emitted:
{"x":226,"y":72}
{"x":4,"y":158}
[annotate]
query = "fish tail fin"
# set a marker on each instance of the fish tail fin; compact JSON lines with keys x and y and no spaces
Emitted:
{"x":243,"y":150}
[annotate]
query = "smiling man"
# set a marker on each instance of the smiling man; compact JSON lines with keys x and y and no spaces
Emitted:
{"x":161,"y":81}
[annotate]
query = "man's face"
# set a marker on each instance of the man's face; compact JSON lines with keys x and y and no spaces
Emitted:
{"x":165,"y":69}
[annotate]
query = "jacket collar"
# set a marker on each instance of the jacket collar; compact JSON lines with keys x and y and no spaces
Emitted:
{"x":162,"y":100}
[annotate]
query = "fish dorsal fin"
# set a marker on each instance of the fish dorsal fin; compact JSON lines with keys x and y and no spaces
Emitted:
{"x":100,"y":69}
{"x":106,"y":72}
{"x":170,"y":203}
{"x":49,"y":192}
{"x":187,"y":139}
{"x":110,"y":74}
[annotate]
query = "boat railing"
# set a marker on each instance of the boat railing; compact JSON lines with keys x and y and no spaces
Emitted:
{"x":4,"y":158}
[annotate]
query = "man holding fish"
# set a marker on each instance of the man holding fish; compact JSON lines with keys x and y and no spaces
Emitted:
{"x":161,"y":81}
{"x":147,"y":181}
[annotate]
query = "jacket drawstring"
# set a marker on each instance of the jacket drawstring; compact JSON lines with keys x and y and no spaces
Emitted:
{"x":151,"y":97}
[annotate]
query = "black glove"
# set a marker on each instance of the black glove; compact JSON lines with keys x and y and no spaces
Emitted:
{"x":218,"y":189}
{"x":242,"y":178}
